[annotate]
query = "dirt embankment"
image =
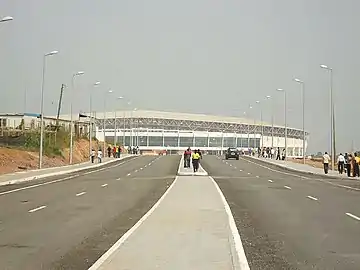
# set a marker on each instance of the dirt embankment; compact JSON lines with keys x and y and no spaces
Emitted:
{"x":13,"y":160}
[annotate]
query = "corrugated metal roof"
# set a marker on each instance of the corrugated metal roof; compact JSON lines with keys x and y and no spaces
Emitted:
{"x":174,"y":116}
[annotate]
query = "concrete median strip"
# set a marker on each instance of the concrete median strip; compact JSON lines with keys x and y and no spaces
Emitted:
{"x":177,"y":221}
{"x":72,"y":168}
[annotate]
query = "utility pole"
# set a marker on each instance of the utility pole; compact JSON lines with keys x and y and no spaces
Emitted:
{"x":59,"y":105}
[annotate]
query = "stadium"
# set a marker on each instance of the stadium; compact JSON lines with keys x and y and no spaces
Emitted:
{"x":159,"y":131}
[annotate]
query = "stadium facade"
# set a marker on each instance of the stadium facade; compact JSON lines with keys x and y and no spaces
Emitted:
{"x":158,"y":131}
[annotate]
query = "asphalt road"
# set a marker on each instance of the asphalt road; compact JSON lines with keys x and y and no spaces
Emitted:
{"x":290,"y":220}
{"x":70,"y":221}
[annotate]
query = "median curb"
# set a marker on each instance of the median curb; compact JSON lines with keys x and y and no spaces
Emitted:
{"x":41,"y":176}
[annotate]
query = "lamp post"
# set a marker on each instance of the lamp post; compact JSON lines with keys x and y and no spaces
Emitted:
{"x":272,"y":121}
{"x":115,"y":134}
{"x":250,"y":107}
{"x":42,"y":106}
{"x":6,"y":19}
{"x":332,"y":116}
{"x":302,"y":84}
{"x":285,"y":119}
{"x":104,"y":116}
{"x":71,"y":114}
{"x":90,"y":122}
{"x":261,"y":123}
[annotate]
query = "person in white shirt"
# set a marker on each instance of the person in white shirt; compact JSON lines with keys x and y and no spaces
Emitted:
{"x":99,"y":155}
{"x":92,"y":155}
{"x":326,"y":159}
{"x":341,"y":162}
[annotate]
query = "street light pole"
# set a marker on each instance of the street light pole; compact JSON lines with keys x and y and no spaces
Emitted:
{"x":90,"y":122}
{"x":285,"y":119}
{"x":42,"y":107}
{"x":71,"y":114}
{"x":261,"y":123}
{"x":272,"y":121}
{"x":332,"y":115}
{"x":105,"y":96}
{"x":302,"y":84}
{"x":115,"y":134}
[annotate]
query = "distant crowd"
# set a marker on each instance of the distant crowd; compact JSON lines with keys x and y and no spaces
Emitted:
{"x":347,"y":163}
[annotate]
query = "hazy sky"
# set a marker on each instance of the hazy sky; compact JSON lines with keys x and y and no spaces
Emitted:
{"x":205,"y":56}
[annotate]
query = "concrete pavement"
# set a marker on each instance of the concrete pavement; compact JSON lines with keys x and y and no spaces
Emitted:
{"x":186,"y":231}
{"x":70,"y":224}
{"x":290,"y":220}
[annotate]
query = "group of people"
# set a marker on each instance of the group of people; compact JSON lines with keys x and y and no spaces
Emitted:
{"x":268,"y":152}
{"x":348,"y":163}
{"x":192,"y":156}
{"x":99,"y":155}
{"x":115,"y":151}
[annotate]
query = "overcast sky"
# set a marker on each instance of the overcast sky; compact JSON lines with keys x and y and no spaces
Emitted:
{"x":202,"y":56}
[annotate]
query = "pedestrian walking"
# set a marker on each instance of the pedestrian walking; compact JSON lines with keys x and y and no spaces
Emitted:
{"x":341,"y":163}
{"x":99,"y":155}
{"x":326,"y":159}
{"x":195,"y":160}
{"x":92,"y":154}
{"x":348,"y":165}
{"x":356,"y":165}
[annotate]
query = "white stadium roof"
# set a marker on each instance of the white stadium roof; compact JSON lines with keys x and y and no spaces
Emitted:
{"x":174,"y":116}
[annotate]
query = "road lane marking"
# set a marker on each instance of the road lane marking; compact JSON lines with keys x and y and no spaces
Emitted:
{"x":37,"y":209}
{"x":241,"y":170}
{"x":125,"y":236}
{"x":257,"y":176}
{"x":271,"y":181}
{"x":118,"y":179}
{"x":136,"y":170}
{"x":141,"y":168}
{"x":59,"y":180}
{"x":353,"y":216}
{"x":80,"y":194}
{"x":249,"y":173}
{"x":287,"y":187}
{"x":104,"y":185}
{"x":128,"y":174}
{"x":312,"y":198}
{"x":291,"y":174}
{"x":230,"y":165}
{"x":145,"y":166}
{"x":241,"y":257}
{"x":235,"y":168}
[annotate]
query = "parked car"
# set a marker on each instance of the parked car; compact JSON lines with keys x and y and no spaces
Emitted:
{"x":232,"y":153}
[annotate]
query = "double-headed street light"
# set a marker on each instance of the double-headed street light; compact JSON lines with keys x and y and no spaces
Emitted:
{"x":332,"y":116}
{"x":6,"y":19}
{"x":302,"y":84}
{"x":71,"y":113}
{"x":90,"y":122}
{"x":42,"y":106}
{"x":285,"y":118}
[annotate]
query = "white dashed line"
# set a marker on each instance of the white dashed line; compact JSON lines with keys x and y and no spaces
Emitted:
{"x":312,"y":198}
{"x":249,"y":173}
{"x":234,"y":167}
{"x":271,"y":181}
{"x":145,"y":166}
{"x":136,"y":170}
{"x":118,"y":179}
{"x":128,"y":174}
{"x":353,"y":216}
{"x":257,"y":176}
{"x":104,"y":185}
{"x":241,"y":170}
{"x":37,"y":209}
{"x":149,"y":164}
{"x":230,"y":165}
{"x":287,"y":187}
{"x":141,"y":169}
{"x":80,"y":194}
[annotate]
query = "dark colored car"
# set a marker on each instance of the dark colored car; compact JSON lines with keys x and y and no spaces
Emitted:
{"x":232,"y":153}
